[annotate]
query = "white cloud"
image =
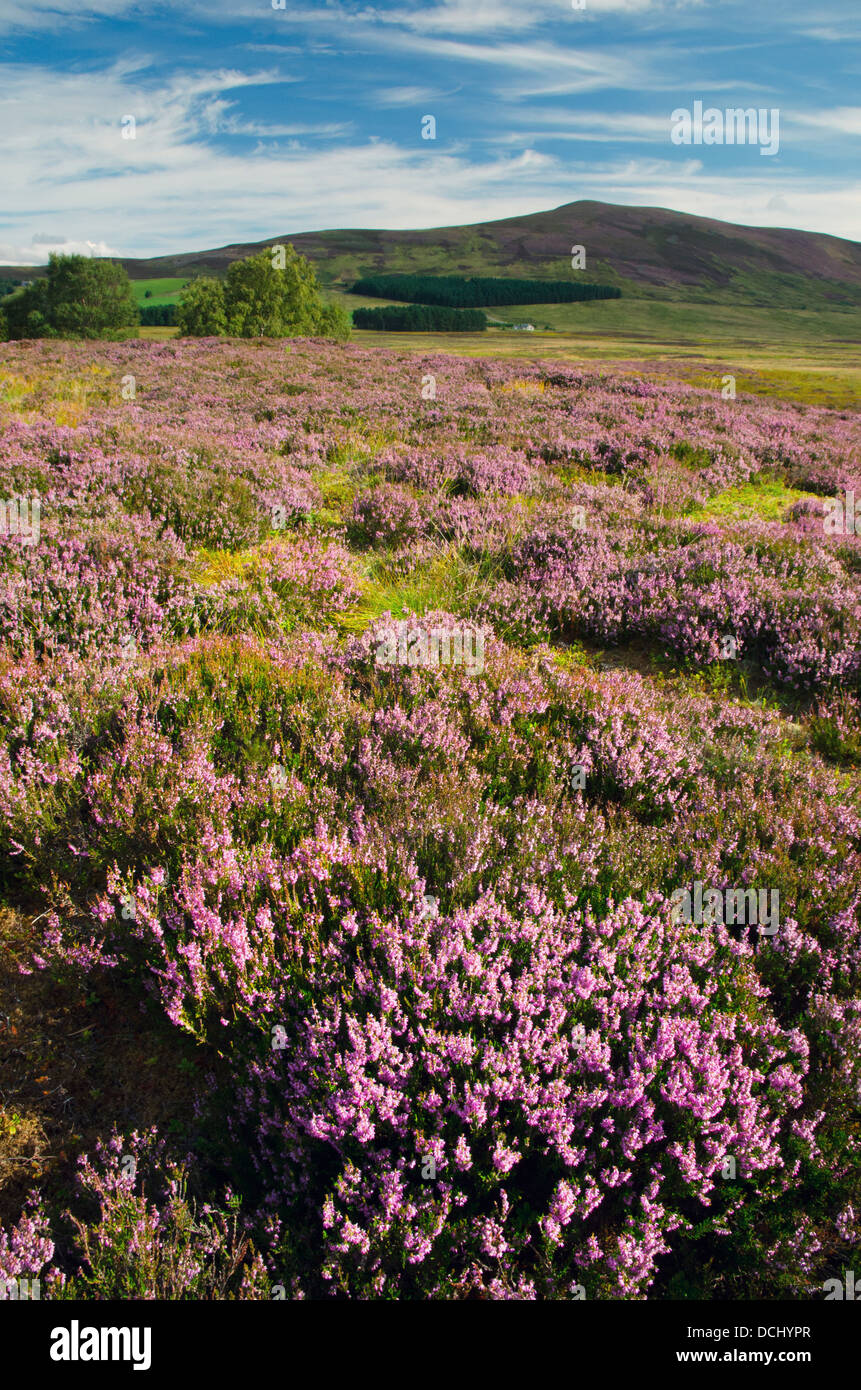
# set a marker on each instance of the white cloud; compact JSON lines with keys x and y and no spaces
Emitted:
{"x":171,"y":189}
{"x":842,"y":120}
{"x":52,"y":14}
{"x":615,"y":126}
{"x":471,"y":16}
{"x":455,"y":17}
{"x":597,"y":67}
{"x":403,"y":96}
{"x":38,"y":251}
{"x":273,"y":47}
{"x":497,"y":16}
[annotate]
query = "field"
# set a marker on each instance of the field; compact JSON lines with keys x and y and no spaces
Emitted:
{"x":648,"y":324}
{"x":430,"y":790}
{"x":810,"y":357}
{"x":164,"y":291}
{"x":696,"y":325}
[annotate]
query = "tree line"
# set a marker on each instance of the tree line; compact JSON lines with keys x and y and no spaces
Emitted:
{"x":457,"y":291}
{"x":158,"y":315}
{"x":420,"y":318}
{"x":274,"y":294}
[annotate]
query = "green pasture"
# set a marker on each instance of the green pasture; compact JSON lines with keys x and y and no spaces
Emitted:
{"x":164,"y":291}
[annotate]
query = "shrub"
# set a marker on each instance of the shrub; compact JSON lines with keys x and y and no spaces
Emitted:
{"x":202,"y":311}
{"x":79,"y":298}
{"x":260,"y":298}
{"x":387,"y":517}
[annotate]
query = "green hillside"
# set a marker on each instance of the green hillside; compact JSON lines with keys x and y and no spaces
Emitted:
{"x":648,"y":253}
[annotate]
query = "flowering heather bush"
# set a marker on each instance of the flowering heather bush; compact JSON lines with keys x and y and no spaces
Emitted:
{"x":25,"y":1251}
{"x":554,"y":1099}
{"x":417,"y":920}
{"x":154,"y":1244}
{"x":794,"y":613}
{"x":388,"y":516}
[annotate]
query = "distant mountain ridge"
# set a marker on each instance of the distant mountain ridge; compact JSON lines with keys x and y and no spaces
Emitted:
{"x":649,"y":252}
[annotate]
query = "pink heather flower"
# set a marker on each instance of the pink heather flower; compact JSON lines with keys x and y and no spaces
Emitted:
{"x":845,"y":1224}
{"x":462,"y":1154}
{"x":504,"y":1158}
{"x":493,"y":1241}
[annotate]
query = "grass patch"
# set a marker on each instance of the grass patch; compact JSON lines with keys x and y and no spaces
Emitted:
{"x":360,"y":445}
{"x":213,"y":566}
{"x":65,"y":399}
{"x":837,"y":389}
{"x":337,"y":490}
{"x":448,"y":581}
{"x":164,"y":291}
{"x":759,"y":500}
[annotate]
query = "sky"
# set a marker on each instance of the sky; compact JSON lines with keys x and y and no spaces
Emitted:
{"x":251,"y":122}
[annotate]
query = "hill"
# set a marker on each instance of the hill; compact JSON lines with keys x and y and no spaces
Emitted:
{"x":647,"y":252}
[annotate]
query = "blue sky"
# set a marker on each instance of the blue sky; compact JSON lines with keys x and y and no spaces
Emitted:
{"x":252,"y":122}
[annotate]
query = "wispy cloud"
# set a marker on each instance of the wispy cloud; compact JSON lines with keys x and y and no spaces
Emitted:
{"x":403,"y":96}
{"x":841,"y":120}
{"x":33,"y":15}
{"x":584,"y":70}
{"x":314,"y":120}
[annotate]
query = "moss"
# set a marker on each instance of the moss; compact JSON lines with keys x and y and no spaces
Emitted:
{"x":762,"y":499}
